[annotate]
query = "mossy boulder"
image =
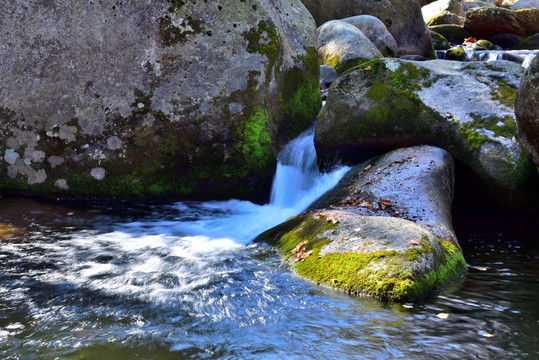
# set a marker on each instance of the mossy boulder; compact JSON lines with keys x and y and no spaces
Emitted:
{"x":466,"y":108}
{"x":384,"y":231}
{"x":402,"y":19}
{"x":456,"y":53}
{"x":527,"y":110}
{"x":454,"y":33}
{"x":438,"y":41}
{"x":485,"y":23}
{"x":153,"y":99}
{"x":342,"y":45}
{"x":529,"y":43}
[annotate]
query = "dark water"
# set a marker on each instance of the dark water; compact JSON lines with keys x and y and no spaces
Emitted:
{"x":126,"y":282}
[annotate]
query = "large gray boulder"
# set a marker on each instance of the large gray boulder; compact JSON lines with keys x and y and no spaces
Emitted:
{"x":487,"y":22}
{"x":146,"y":99}
{"x":466,"y":108}
{"x":439,"y":7}
{"x":527,"y":110}
{"x":384,"y":231}
{"x":342,"y":45}
{"x":377,"y":33}
{"x":402,"y":18}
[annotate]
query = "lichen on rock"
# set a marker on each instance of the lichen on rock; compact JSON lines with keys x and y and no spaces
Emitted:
{"x":167,"y":104}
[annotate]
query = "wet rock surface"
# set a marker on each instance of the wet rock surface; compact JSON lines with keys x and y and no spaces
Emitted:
{"x":384,"y":231}
{"x":527,"y":110}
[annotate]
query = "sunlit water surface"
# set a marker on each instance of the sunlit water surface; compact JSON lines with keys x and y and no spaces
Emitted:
{"x":185,"y":281}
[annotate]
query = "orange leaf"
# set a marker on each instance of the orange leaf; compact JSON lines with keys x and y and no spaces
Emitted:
{"x":383,"y":203}
{"x":299,"y":247}
{"x":414,"y":242}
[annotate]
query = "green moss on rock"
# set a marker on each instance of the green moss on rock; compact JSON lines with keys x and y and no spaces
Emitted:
{"x":456,"y":53}
{"x":382,"y":274}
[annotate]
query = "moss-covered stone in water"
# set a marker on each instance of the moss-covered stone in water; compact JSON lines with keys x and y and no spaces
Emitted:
{"x":484,"y":45}
{"x":456,"y":53}
{"x":382,"y":274}
{"x":439,"y":42}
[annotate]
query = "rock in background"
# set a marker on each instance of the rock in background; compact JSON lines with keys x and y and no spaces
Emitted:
{"x":342,"y":45}
{"x":402,"y":18}
{"x":466,"y":108}
{"x":152,"y":99}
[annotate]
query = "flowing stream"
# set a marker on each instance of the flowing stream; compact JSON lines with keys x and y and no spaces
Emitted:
{"x":185,"y":281}
{"x":523,"y":57}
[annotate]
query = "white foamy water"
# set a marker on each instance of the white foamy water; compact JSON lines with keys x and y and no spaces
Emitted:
{"x":161,"y":259}
{"x":523,"y":57}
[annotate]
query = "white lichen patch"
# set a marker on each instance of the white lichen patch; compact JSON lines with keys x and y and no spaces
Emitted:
{"x":62,"y":184}
{"x":114,"y":143}
{"x":33,"y":156}
{"x":98,"y":173}
{"x":67,"y":133}
{"x":37,"y":177}
{"x":10,"y":156}
{"x":55,"y":161}
{"x":235,"y":108}
{"x":392,"y":64}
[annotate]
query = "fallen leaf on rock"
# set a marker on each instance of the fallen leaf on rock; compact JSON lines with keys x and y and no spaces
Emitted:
{"x":299,"y":247}
{"x":367,"y":68}
{"x":302,"y":255}
{"x":414,"y":242}
{"x":407,"y":306}
{"x":344,"y":239}
{"x":332,"y":219}
{"x":383,"y":203}
{"x":443,"y":315}
{"x":477,"y":268}
{"x":367,"y":167}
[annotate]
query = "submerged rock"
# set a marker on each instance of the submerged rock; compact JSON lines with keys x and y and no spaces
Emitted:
{"x":342,"y":45}
{"x":527,"y":110}
{"x":384,"y":231}
{"x":168,"y":98}
{"x":466,"y":108}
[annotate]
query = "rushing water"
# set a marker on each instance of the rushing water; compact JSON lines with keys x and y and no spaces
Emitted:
{"x":184,"y":281}
{"x":523,"y":57}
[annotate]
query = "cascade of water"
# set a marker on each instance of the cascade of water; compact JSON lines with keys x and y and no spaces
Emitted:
{"x":523,"y":57}
{"x":296,"y":184}
{"x":296,"y":170}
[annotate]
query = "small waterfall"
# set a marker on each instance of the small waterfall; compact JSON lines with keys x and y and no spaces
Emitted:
{"x":297,"y":183}
{"x":296,"y":172}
